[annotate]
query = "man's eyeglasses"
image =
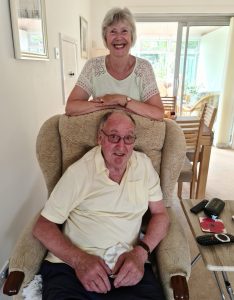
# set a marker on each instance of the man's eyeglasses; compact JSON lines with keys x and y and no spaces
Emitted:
{"x":114,"y":138}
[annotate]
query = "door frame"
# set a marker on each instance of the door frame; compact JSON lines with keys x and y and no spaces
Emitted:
{"x":65,"y":38}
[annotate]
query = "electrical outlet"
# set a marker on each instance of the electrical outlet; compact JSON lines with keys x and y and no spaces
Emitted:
{"x":4,"y":273}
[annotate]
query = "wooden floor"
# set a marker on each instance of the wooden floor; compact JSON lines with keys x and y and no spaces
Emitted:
{"x":202,"y":285}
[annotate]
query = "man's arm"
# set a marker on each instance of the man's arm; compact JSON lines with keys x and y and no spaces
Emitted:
{"x":91,"y":270}
{"x":130,"y":265}
{"x":158,"y":224}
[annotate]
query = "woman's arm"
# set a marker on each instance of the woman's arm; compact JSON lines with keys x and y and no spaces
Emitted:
{"x":78,"y":104}
{"x":152,"y":108}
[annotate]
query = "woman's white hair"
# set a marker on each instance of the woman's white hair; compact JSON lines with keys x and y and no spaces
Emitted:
{"x":115,"y":15}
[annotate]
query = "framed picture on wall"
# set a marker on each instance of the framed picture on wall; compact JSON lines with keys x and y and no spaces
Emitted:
{"x":29,"y":29}
{"x":83,"y":38}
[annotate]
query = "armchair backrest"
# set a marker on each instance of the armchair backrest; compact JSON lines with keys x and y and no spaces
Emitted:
{"x":62,"y":140}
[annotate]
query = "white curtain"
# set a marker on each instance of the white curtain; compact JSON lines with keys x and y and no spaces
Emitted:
{"x":225,"y":117}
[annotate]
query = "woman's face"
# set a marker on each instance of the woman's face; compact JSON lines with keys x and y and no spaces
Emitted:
{"x":119,"y":38}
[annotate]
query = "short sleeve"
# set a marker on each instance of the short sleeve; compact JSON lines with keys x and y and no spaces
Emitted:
{"x":145,"y":72}
{"x":62,"y":199}
{"x":85,"y":78}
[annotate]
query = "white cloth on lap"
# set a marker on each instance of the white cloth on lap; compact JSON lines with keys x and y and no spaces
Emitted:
{"x":33,"y":290}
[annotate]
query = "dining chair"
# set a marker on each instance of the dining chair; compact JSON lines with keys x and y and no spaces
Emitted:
{"x":196,"y":108}
{"x":169,"y":104}
{"x":193,"y":132}
{"x":208,"y":115}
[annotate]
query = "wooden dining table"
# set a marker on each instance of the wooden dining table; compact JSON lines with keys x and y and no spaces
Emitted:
{"x":206,"y":144}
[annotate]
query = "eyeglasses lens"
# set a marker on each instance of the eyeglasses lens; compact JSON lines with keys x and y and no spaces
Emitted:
{"x":114,"y":138}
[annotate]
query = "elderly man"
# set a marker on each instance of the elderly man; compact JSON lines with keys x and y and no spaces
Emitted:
{"x":100,"y":200}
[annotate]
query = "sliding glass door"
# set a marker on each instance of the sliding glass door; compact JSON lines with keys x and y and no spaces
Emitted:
{"x":187,"y":56}
{"x":199,"y":66}
{"x":156,"y":42}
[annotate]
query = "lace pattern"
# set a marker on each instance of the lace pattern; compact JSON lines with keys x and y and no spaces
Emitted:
{"x":143,"y":72}
{"x":93,"y":67}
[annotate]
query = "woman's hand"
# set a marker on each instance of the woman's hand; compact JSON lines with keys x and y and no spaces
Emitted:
{"x":111,"y":99}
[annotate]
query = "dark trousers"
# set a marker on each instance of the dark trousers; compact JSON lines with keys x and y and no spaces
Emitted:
{"x":60,"y":283}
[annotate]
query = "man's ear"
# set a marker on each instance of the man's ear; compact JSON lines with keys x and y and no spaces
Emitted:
{"x":99,"y":138}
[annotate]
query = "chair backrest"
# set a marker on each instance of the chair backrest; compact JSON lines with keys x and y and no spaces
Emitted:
{"x":169,"y":104}
{"x":208,"y":115}
{"x":197,"y":107}
{"x":62,"y":140}
{"x":192,"y":130}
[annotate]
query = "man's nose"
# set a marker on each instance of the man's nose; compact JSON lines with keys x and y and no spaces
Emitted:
{"x":121,"y":142}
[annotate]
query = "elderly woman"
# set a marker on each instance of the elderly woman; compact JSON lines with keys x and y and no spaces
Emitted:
{"x":118,"y":79}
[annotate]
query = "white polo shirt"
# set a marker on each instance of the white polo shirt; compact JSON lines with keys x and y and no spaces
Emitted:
{"x":98,"y":212}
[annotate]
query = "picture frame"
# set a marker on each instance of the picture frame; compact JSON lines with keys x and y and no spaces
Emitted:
{"x":28,"y":20}
{"x":83,"y":38}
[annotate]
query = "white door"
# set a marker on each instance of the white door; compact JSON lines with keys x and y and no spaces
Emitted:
{"x":68,"y":52}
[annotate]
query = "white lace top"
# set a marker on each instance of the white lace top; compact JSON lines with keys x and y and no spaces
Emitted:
{"x":139,"y":85}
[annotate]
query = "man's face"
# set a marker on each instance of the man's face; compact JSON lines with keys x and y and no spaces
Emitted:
{"x":116,"y":155}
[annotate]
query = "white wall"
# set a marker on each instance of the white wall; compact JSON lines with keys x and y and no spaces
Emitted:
{"x":30,"y":92}
{"x":213,"y":48}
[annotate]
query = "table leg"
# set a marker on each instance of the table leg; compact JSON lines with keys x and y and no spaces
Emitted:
{"x":228,"y":285}
{"x":203,"y":171}
{"x":219,"y":285}
{"x":196,"y":258}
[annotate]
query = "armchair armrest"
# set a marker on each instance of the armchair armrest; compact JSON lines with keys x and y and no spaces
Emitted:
{"x":173,"y":260}
{"x":179,"y":286}
{"x":25,"y":260}
{"x":13,"y":283}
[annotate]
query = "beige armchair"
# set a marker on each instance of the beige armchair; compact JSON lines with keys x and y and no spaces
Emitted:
{"x":61,"y":141}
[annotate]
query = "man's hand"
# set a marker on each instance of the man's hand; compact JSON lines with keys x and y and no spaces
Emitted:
{"x":90,"y":269}
{"x":129,"y":268}
{"x":93,"y":273}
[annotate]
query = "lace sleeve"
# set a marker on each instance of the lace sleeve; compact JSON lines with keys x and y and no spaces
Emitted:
{"x":148,"y":81}
{"x":85,"y":78}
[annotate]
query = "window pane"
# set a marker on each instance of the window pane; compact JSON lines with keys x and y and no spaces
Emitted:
{"x":156,"y":42}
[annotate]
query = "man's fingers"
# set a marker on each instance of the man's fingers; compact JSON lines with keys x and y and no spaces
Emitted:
{"x":118,"y":264}
{"x":97,"y":286}
{"x":122,"y":279}
{"x":102,"y":285}
{"x":107,"y":269}
{"x":104,"y":281}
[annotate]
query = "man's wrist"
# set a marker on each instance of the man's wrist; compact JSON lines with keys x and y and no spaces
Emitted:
{"x":144,"y":246}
